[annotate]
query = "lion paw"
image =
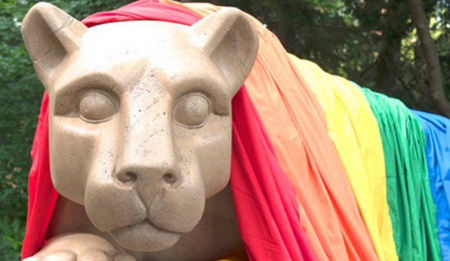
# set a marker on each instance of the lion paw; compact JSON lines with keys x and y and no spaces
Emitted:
{"x":80,"y":247}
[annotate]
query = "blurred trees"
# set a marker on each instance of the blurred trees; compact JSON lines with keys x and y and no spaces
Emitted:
{"x":430,"y":54}
{"x":372,"y":42}
{"x":19,"y":101}
{"x":20,"y":97}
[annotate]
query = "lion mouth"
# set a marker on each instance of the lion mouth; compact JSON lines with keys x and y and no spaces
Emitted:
{"x":144,"y":236}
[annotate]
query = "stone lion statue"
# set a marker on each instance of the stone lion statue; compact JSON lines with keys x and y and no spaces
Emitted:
{"x":166,"y":134}
{"x":140,"y":131}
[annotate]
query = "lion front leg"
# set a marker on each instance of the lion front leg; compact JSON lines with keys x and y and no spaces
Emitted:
{"x":80,"y":247}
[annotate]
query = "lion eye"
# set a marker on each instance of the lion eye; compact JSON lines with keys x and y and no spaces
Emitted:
{"x":96,"y":106}
{"x":192,"y":110}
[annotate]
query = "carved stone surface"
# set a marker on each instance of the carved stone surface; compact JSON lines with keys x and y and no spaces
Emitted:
{"x":140,"y":133}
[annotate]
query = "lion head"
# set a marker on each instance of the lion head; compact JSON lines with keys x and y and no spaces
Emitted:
{"x":140,"y":116}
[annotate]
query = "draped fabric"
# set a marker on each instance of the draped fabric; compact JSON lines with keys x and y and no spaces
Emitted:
{"x":144,"y":10}
{"x":354,"y":131}
{"x":42,"y":195}
{"x":266,"y":207}
{"x":298,"y":130}
{"x":412,"y":210}
{"x":437,"y":132}
{"x":321,"y":169}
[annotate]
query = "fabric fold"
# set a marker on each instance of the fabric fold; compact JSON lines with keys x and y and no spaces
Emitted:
{"x":411,"y":206}
{"x":354,"y":131}
{"x":437,"y":132}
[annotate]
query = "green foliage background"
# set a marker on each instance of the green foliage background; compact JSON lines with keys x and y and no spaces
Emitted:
{"x":372,"y":42}
{"x":20,"y":97}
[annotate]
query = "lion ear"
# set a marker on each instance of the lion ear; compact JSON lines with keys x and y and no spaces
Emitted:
{"x":231,"y":42}
{"x":50,"y":35}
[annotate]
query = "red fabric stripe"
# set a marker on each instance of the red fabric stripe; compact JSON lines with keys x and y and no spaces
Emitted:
{"x":42,"y":195}
{"x":265,"y":202}
{"x":143,"y":10}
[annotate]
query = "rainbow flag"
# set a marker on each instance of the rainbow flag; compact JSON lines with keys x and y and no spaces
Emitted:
{"x":322,"y":169}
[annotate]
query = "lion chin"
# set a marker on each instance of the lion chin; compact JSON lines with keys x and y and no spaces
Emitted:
{"x":144,"y":237}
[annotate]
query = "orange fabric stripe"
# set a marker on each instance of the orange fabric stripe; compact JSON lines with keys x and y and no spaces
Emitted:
{"x":297,"y":127}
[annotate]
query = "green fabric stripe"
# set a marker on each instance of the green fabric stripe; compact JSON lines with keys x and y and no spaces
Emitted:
{"x":411,"y":205}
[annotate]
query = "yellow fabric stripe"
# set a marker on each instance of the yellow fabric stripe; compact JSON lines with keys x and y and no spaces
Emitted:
{"x":355,"y":133}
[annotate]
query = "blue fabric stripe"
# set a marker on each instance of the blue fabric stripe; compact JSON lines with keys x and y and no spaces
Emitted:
{"x":437,"y":131}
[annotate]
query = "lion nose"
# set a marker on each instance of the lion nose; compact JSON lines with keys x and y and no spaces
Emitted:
{"x":150,"y":171}
{"x":147,"y":154}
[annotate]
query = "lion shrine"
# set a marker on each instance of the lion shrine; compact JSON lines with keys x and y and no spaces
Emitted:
{"x":174,"y":131}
